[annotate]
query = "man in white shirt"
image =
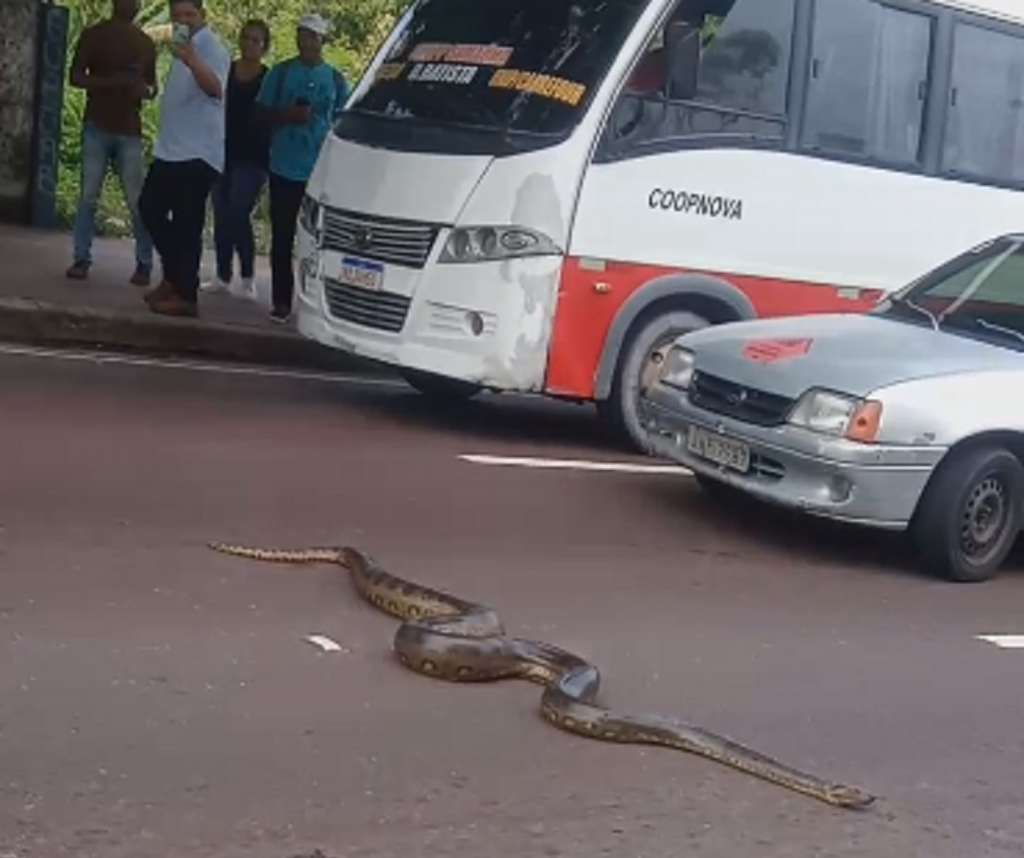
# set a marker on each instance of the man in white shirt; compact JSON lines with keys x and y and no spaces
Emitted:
{"x":188,"y":157}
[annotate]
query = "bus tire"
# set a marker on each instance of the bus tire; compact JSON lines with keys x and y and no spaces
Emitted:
{"x":438,"y":387}
{"x":622,"y":411}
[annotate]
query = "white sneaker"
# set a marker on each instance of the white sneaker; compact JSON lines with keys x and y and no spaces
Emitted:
{"x":246,"y":289}
{"x":215,"y":285}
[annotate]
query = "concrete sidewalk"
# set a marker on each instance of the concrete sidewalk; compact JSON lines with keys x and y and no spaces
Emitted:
{"x":40,"y":306}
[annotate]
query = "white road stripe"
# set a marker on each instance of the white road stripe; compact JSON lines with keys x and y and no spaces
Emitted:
{"x":574,"y":464}
{"x":1003,"y":641}
{"x":194,"y":366}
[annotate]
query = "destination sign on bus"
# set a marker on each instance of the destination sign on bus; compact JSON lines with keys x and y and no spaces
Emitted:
{"x":481,"y":55}
{"x":549,"y":86}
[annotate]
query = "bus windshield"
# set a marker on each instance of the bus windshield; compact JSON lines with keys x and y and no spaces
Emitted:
{"x":505,"y":65}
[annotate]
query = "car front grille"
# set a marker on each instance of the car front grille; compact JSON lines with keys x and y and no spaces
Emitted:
{"x":748,"y":404}
{"x":383,"y":311}
{"x":397,"y":242}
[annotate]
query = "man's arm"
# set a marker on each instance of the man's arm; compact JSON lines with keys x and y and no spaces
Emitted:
{"x":149,"y":70}
{"x":271,"y":114}
{"x":210,"y":72}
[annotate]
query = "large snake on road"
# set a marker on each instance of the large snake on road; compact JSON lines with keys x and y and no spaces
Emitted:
{"x":448,"y":638}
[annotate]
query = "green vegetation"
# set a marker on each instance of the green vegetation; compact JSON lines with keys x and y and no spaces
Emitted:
{"x":358,"y":27}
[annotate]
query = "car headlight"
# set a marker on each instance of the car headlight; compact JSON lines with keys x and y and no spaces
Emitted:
{"x":487,"y":243}
{"x":838,"y":414}
{"x":677,"y":368}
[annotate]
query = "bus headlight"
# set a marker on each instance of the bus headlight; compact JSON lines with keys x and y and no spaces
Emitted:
{"x":309,"y":215}
{"x":487,"y":243}
{"x":677,"y":369}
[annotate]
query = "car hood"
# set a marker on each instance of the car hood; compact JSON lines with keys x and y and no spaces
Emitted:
{"x":849,"y":353}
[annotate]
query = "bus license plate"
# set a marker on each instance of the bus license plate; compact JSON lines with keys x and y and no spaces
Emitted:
{"x":362,"y":273}
{"x":726,"y":452}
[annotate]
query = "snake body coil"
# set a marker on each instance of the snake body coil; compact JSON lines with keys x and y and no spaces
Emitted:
{"x":451,"y":639}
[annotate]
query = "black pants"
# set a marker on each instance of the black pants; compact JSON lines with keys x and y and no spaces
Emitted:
{"x":285,"y":200}
{"x":173,"y":209}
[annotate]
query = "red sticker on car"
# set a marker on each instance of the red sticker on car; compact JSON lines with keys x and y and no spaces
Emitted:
{"x":767,"y":351}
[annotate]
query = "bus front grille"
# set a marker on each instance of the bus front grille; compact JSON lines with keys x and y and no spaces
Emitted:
{"x":383,"y":311}
{"x":398,"y":242}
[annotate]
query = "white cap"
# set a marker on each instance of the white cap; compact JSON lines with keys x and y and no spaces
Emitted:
{"x":314,"y":23}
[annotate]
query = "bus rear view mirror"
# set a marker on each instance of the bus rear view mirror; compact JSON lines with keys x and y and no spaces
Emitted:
{"x":682,"y":44}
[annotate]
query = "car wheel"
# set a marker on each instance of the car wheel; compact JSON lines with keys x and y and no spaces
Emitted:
{"x":970,"y":515}
{"x":439,"y":388}
{"x":636,"y":369}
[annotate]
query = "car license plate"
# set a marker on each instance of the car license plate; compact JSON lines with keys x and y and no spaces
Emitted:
{"x":726,"y":452}
{"x":362,"y":273}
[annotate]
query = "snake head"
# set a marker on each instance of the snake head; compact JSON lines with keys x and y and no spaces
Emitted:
{"x":850,"y":797}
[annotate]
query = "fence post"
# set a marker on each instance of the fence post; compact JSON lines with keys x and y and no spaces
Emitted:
{"x":51,"y":53}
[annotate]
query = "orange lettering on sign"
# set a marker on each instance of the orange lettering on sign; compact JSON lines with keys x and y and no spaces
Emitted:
{"x":556,"y":88}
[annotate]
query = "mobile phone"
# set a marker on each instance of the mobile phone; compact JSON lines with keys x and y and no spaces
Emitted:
{"x":180,"y":33}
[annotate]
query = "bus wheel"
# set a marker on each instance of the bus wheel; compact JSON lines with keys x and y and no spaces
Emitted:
{"x":635,"y":371}
{"x":439,"y":388}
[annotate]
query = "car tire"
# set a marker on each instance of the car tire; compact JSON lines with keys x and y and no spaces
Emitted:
{"x":439,"y":388}
{"x":622,"y":411}
{"x":970,"y":514}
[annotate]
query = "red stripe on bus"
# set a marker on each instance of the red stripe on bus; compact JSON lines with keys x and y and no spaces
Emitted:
{"x":588,"y":301}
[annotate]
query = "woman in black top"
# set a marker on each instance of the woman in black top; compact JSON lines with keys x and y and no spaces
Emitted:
{"x":245,"y":164}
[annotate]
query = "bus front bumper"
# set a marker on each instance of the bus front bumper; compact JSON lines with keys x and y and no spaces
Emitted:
{"x":485,"y":323}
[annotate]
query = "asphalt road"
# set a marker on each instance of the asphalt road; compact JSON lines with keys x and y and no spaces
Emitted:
{"x":157,"y":699}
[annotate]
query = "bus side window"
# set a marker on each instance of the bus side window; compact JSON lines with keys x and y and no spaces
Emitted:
{"x":984,"y":126}
{"x":868,"y":81}
{"x":721,"y":67}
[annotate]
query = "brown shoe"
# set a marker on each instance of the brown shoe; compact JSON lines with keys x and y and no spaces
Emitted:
{"x":141,"y":277}
{"x":164,"y":290}
{"x":173,"y":305}
{"x":78,"y":271}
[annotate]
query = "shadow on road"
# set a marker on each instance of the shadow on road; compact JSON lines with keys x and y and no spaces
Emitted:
{"x":500,"y":418}
{"x":806,"y":539}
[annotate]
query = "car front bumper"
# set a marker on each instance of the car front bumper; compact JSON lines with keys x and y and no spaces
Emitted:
{"x":867,"y":484}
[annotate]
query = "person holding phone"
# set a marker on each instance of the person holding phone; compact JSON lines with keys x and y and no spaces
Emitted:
{"x":300,"y":99}
{"x":188,"y":157}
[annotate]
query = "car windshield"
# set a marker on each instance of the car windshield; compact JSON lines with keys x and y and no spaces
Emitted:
{"x":505,"y":65}
{"x":980,"y":293}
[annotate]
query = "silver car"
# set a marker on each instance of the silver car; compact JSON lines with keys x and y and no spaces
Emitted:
{"x":909,"y":417}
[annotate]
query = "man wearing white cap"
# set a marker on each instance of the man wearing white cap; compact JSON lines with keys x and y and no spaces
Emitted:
{"x":301,"y":98}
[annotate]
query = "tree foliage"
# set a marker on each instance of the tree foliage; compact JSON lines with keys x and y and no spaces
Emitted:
{"x":358,"y":26}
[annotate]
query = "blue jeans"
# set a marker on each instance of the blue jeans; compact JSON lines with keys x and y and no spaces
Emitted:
{"x":234,"y":198}
{"x":99,"y":150}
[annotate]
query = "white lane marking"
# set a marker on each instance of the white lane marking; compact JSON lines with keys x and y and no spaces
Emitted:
{"x":194,"y":366}
{"x":325,"y":643}
{"x":1003,"y":641}
{"x":574,"y":464}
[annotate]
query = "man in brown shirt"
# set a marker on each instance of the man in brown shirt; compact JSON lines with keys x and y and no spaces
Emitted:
{"x":115,"y":63}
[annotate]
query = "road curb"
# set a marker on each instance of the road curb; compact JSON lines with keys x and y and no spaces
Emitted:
{"x":29,"y":322}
